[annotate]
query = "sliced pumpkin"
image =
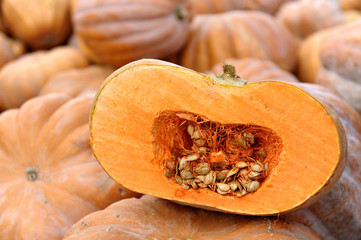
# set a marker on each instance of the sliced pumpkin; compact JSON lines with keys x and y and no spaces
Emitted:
{"x":154,"y":125}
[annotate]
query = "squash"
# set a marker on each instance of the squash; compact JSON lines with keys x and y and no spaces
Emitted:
{"x":116,"y":32}
{"x":308,"y":16}
{"x":153,"y":218}
{"x":255,"y":70}
{"x":350,"y":4}
{"x":338,"y":65}
{"x":42,"y":24}
{"x":23,"y":78}
{"x":77,"y":82}
{"x":9,"y":49}
{"x":309,"y":61}
{"x":238,"y":34}
{"x":262,"y":148}
{"x":49,"y":176}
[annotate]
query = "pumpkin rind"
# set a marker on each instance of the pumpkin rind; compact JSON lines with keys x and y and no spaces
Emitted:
{"x":125,"y":142}
{"x":153,"y":218}
{"x":41,"y":24}
{"x":36,"y":69}
{"x":238,"y":34}
{"x":118,"y":32}
{"x":49,"y":177}
{"x":9,"y":49}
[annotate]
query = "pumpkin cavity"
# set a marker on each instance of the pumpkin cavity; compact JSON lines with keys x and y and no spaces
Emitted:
{"x":230,"y":159}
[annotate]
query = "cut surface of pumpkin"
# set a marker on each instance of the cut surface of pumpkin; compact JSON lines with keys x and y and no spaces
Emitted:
{"x":263,"y":148}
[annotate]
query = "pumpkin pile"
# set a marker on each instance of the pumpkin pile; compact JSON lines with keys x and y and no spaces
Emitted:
{"x":180,"y":119}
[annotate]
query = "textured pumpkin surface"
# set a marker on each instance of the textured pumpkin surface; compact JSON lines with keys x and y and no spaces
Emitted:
{"x":9,"y":49}
{"x":42,"y":23}
{"x":309,"y":60}
{"x":255,"y":70}
{"x":77,"y":82}
{"x":125,"y":141}
{"x":308,"y":16}
{"x":338,"y":214}
{"x":341,"y":65}
{"x":238,"y":34}
{"x":49,"y":178}
{"x":117,"y":32}
{"x":23,"y":78}
{"x":351,"y":4}
{"x":153,"y":218}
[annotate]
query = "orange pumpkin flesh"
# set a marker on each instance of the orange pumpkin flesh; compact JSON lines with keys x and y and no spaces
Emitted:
{"x":311,"y":156}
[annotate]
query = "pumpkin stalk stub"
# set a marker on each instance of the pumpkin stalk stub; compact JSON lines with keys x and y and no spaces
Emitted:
{"x":228,"y":77}
{"x":31,"y":173}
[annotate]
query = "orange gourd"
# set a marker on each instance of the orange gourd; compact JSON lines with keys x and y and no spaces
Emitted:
{"x":49,"y":178}
{"x":153,"y":218}
{"x":9,"y":49}
{"x":42,"y":24}
{"x":77,"y":82}
{"x":17,"y":86}
{"x":117,"y":32}
{"x":179,"y":131}
{"x":238,"y":34}
{"x":305,"y":17}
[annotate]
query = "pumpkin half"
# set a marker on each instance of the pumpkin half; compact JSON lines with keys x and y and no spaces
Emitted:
{"x":157,"y":128}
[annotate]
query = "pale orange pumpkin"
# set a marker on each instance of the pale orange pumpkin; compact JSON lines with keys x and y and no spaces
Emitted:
{"x":153,"y":218}
{"x":117,"y":32}
{"x":305,"y":17}
{"x":42,"y":24}
{"x":238,"y":34}
{"x":49,"y":176}
{"x":9,"y":49}
{"x":23,"y":78}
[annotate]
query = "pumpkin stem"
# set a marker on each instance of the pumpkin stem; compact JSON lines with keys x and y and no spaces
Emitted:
{"x":181,"y":12}
{"x":32,"y":173}
{"x":228,"y":77}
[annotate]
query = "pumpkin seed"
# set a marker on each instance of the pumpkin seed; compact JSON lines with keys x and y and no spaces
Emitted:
{"x":195,"y":134}
{"x":233,"y":185}
{"x":202,"y":168}
{"x":202,"y":185}
{"x":254,"y":175}
{"x":221,"y":192}
{"x":266,"y":167}
{"x":202,"y":149}
{"x":241,"y":164}
{"x":243,"y":142}
{"x":190,"y":130}
{"x":221,"y":174}
{"x":200,"y":178}
{"x":252,"y":186}
{"x":223,"y":187}
{"x":257,"y":167}
{"x":232,"y":172}
{"x":210,"y":178}
{"x":261,"y":153}
{"x":179,"y":179}
{"x":241,"y":193}
{"x":243,"y":173}
{"x":170,"y":164}
{"x":168,"y":173}
{"x":185,"y":174}
{"x":194,"y":185}
{"x":185,"y":186}
{"x":199,"y":142}
{"x":249,"y":137}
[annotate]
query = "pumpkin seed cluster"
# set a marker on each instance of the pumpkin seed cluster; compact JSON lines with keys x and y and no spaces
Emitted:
{"x":206,"y":166}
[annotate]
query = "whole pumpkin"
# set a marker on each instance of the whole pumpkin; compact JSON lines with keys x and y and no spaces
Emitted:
{"x":49,"y":178}
{"x":238,"y":34}
{"x":9,"y":49}
{"x":42,"y":24}
{"x":36,"y":69}
{"x":117,"y":32}
{"x":305,"y":17}
{"x":77,"y":82}
{"x":214,"y":142}
{"x":153,"y":218}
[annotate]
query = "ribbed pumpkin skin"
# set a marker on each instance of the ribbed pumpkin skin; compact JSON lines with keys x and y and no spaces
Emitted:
{"x":255,"y":70}
{"x":23,"y":78}
{"x":77,"y":82}
{"x":117,"y":32}
{"x":49,"y":134}
{"x":238,"y":34}
{"x":216,"y":6}
{"x":42,"y":23}
{"x":337,"y":215}
{"x":153,"y":218}
{"x":9,"y":49}
{"x":307,"y":16}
